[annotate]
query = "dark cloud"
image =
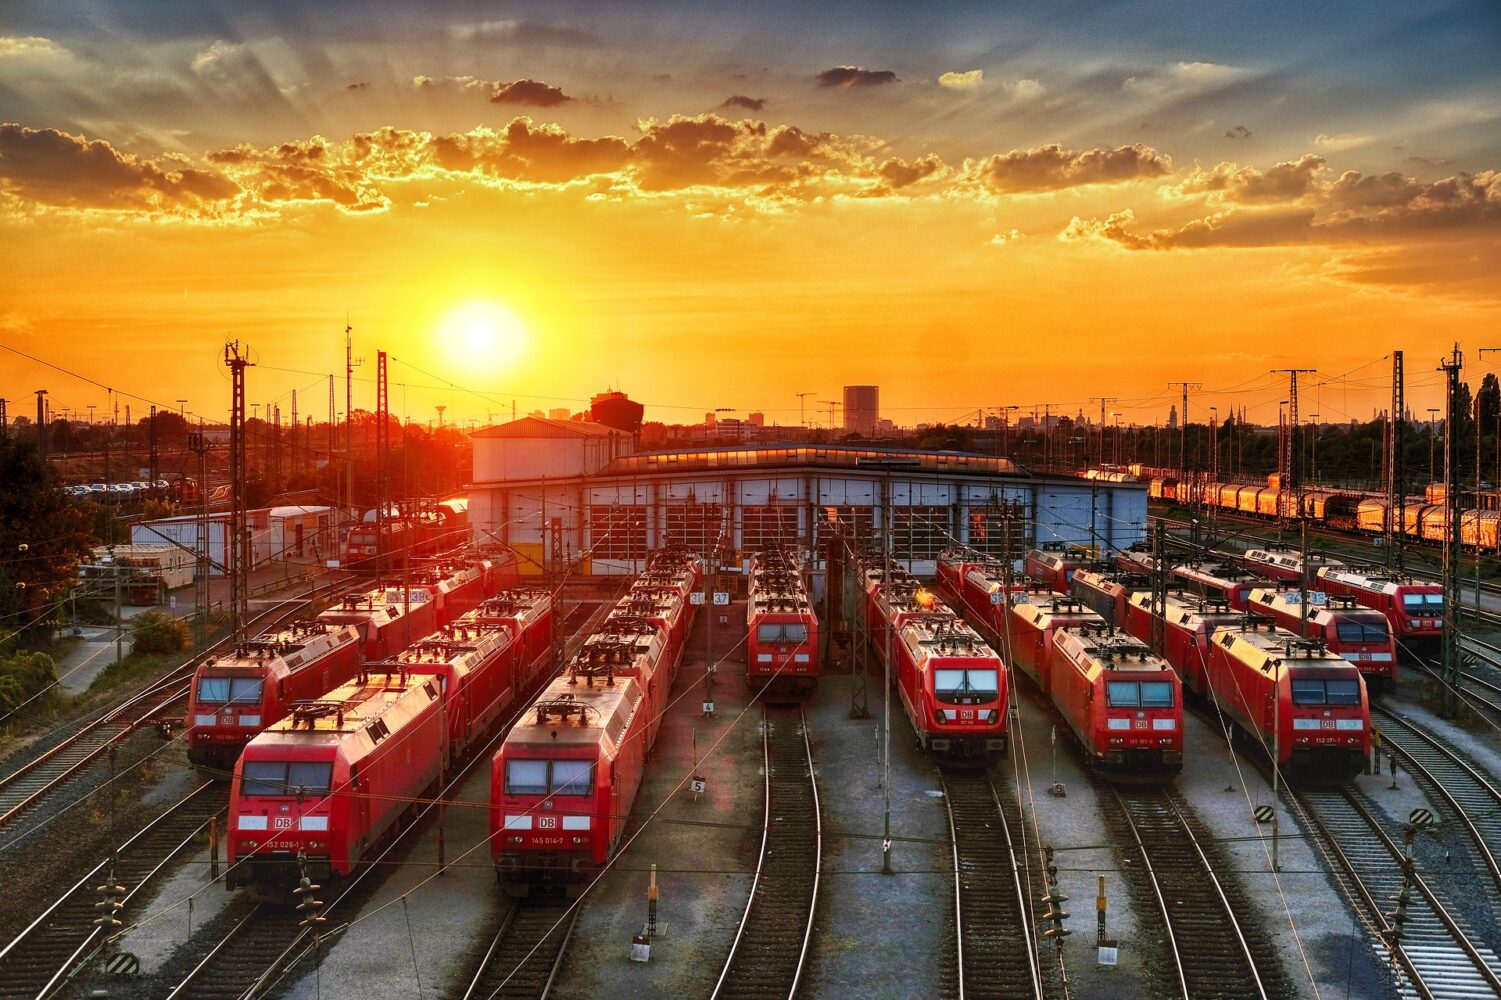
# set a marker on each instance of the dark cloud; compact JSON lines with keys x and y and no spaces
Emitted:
{"x":1238,"y":132}
{"x":532,"y":93}
{"x":898,"y":173}
{"x":1052,"y":168}
{"x":55,"y":168}
{"x":358,"y":85}
{"x":530,"y":152}
{"x":845,"y":77}
{"x":741,"y":101}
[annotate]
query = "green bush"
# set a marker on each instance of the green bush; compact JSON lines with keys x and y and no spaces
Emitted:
{"x":155,"y":632}
{"x":23,"y":675}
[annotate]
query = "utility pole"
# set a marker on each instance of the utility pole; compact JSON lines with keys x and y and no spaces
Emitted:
{"x":1451,"y":673}
{"x":382,"y":449}
{"x":1102,"y":400}
{"x":41,"y":424}
{"x":350,"y":364}
{"x":292,"y":444}
{"x":1291,"y":450}
{"x":1396,"y":421}
{"x":1183,"y":426}
{"x":4,"y":421}
{"x":202,"y":595}
{"x":239,"y":538}
{"x":155,"y":456}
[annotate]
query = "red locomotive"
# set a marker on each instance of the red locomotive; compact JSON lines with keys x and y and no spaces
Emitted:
{"x":954,"y":689}
{"x":1360,"y":635}
{"x":1305,"y":705}
{"x":1108,"y":592}
{"x":563,"y":781}
{"x":1052,"y":564}
{"x":377,"y":544}
{"x":330,"y":781}
{"x":781,"y":642}
{"x":1414,"y":610}
{"x":1136,"y":559}
{"x":456,"y":586}
{"x":528,"y":613}
{"x":476,"y":667}
{"x":1032,"y":627}
{"x":389,"y":618}
{"x":1286,"y":564}
{"x":1122,"y":702}
{"x":236,"y":696}
{"x":984,"y":593}
{"x":1189,"y":622}
{"x":954,"y":564}
{"x":1218,"y":581}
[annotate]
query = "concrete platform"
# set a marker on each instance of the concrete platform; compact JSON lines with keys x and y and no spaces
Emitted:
{"x":1301,"y":909}
{"x":878,"y":935}
{"x":704,"y":850}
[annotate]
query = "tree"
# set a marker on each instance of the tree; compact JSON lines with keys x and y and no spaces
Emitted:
{"x":43,"y":536}
{"x":159,"y":632}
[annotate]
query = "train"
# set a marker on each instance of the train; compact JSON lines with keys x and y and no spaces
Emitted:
{"x":1286,"y":565}
{"x":982,"y":586}
{"x":1122,"y":703}
{"x":235,"y":695}
{"x":781,"y":639}
{"x":1414,"y":608}
{"x":1052,"y":564}
{"x":1032,"y":628}
{"x":320,"y":791}
{"x":564,"y":779}
{"x":378,"y":544}
{"x":1306,"y":706}
{"x":952,"y":685}
{"x":1107,"y":592}
{"x":1188,"y":622}
{"x":1361,"y":635}
{"x":1219,"y":580}
{"x":1414,"y":518}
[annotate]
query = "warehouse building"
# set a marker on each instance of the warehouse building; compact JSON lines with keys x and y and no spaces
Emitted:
{"x":575,"y":494}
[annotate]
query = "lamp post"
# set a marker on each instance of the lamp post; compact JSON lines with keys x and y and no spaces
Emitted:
{"x":1214,"y":444}
{"x":1433,"y":411}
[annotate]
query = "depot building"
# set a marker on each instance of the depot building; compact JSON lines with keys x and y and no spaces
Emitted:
{"x":571,"y":494}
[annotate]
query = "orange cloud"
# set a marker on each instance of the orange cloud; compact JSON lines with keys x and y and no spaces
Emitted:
{"x":49,"y":167}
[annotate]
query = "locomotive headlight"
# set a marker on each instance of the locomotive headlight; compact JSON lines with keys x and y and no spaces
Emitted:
{"x":578,"y":840}
{"x":517,"y":840}
{"x":992,"y":716}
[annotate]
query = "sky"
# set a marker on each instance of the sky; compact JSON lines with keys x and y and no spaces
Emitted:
{"x":716,"y":205}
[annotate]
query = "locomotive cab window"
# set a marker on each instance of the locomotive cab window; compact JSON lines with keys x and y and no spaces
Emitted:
{"x":1138,"y":694}
{"x":958,"y":687}
{"x":1361,"y":631}
{"x":229,"y":690}
{"x":1326,"y":692}
{"x":1423,"y":602}
{"x":782,"y":632}
{"x":283,"y":778}
{"x":540,"y":777}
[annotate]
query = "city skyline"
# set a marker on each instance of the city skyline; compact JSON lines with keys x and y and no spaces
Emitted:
{"x":980,"y":208}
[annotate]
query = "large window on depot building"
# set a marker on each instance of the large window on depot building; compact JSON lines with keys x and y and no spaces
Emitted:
{"x":617,"y":531}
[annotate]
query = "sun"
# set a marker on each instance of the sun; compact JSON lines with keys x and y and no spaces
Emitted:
{"x":482,"y":336}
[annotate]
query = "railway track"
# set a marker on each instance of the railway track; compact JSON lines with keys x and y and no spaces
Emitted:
{"x":523,"y":959}
{"x":39,"y":959}
{"x":262,"y":949}
{"x":995,"y":945}
{"x":35,"y":781}
{"x":1213,"y":954}
{"x":770,"y":950}
{"x":1436,"y":957}
{"x":1471,"y":796}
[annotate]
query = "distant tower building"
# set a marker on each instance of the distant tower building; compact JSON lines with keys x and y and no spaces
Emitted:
{"x":756,"y":420}
{"x":862,"y":408}
{"x":617,"y":410}
{"x":559,"y":413}
{"x":1172,"y":417}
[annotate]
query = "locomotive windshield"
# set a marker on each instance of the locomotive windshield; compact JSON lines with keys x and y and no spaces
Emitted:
{"x":1423,"y":602}
{"x":281,"y":777}
{"x":1325,"y":692}
{"x":1139,"y":694}
{"x":229,"y":690}
{"x":1361,"y":631}
{"x":540,"y":777}
{"x":782,"y":632}
{"x":965,"y":686}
